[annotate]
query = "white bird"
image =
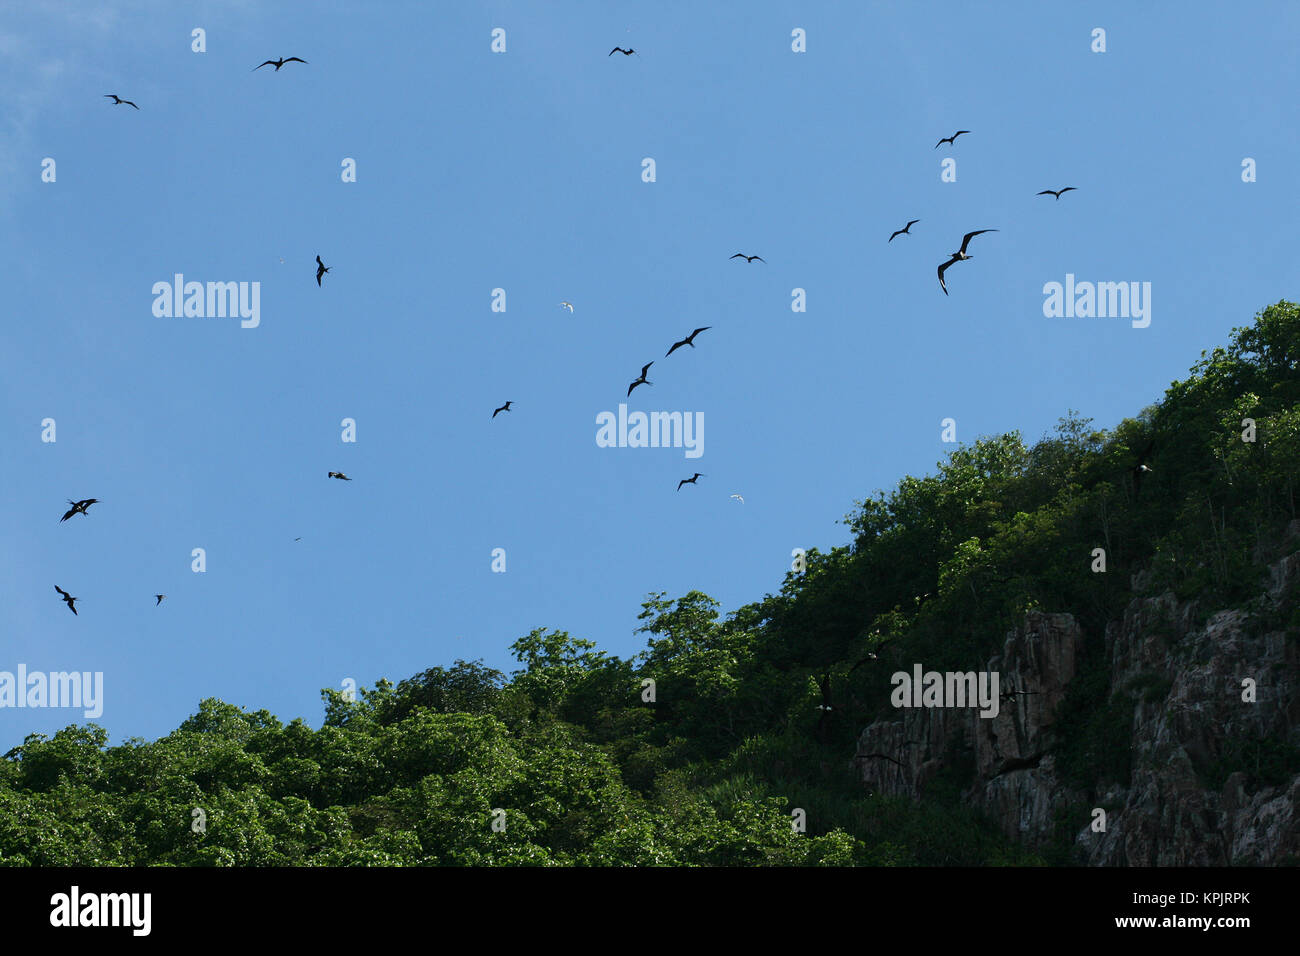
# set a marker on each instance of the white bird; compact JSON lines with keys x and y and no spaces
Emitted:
{"x":567,"y":305}
{"x":742,"y":500}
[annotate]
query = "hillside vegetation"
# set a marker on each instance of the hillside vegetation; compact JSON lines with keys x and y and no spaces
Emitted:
{"x":737,"y":737}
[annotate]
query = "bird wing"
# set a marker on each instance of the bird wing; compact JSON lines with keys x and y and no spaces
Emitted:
{"x":72,"y":607}
{"x":645,"y":368}
{"x":911,"y":223}
{"x":941,"y":142}
{"x":680,"y":483}
{"x":676,"y":346}
{"x":1067,"y":189}
{"x":942,"y":268}
{"x":494,"y":414}
{"x":965,"y":240}
{"x":615,"y":50}
{"x":759,"y":258}
{"x":70,"y":512}
{"x":129,"y":103}
{"x":739,"y":255}
{"x":896,"y":232}
{"x":260,"y":65}
{"x":634,"y":385}
{"x":703,"y":328}
{"x":294,"y":59}
{"x":319,"y":273}
{"x":1045,"y":192}
{"x":61,"y":591}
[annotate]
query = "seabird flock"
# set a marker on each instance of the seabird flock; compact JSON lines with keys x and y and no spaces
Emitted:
{"x":961,"y":255}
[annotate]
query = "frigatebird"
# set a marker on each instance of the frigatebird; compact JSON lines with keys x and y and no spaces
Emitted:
{"x":689,"y":340}
{"x":642,"y":380}
{"x":118,"y":101}
{"x":951,"y":139}
{"x":1012,"y":694}
{"x":160,"y":599}
{"x":78,"y":507}
{"x":741,"y":255}
{"x":321,"y":269}
{"x":339,"y":475}
{"x":904,"y":231}
{"x":1054,"y":192}
{"x":503,"y":408}
{"x":689,"y":481}
{"x":68,"y":599}
{"x":619,"y":49}
{"x":959,"y":255}
{"x":879,"y":757}
{"x":278,"y":63}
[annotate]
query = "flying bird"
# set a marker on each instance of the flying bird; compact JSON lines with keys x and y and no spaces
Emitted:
{"x":951,"y":139}
{"x":959,"y":255}
{"x":642,"y":380}
{"x":321,"y":269}
{"x":689,"y":340}
{"x":1012,"y":694}
{"x":904,"y":231}
{"x":160,"y":599}
{"x":619,"y":49}
{"x":1054,"y":192}
{"x":277,"y":63}
{"x":567,"y":305}
{"x":503,"y":408}
{"x":741,"y":255}
{"x":740,"y":498}
{"x":68,"y":599}
{"x":339,"y":475}
{"x":118,"y":101}
{"x":1140,"y":469}
{"x":78,"y":507}
{"x":688,"y":481}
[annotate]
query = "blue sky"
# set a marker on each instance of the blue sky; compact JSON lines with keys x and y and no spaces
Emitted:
{"x":523,"y":171}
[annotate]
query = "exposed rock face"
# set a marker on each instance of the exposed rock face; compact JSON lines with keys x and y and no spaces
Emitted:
{"x":1190,"y":722}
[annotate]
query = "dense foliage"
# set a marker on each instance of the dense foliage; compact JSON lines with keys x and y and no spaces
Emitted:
{"x":567,"y":761}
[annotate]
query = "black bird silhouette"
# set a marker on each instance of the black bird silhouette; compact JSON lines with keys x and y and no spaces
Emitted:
{"x":1013,"y":694}
{"x":951,"y":139}
{"x":959,"y":255}
{"x":689,"y":340}
{"x":1054,"y":192}
{"x":160,"y":599}
{"x":277,"y":63}
{"x":642,"y":380}
{"x":689,"y":481}
{"x":619,"y":49}
{"x":339,"y":475}
{"x":118,"y":101}
{"x":68,"y":599}
{"x":503,"y":408}
{"x":904,"y":231}
{"x":741,"y":255}
{"x":321,"y":269}
{"x":880,"y":757}
{"x":78,"y":507}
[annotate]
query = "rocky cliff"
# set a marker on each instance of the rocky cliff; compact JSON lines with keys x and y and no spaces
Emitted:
{"x":1188,"y":769}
